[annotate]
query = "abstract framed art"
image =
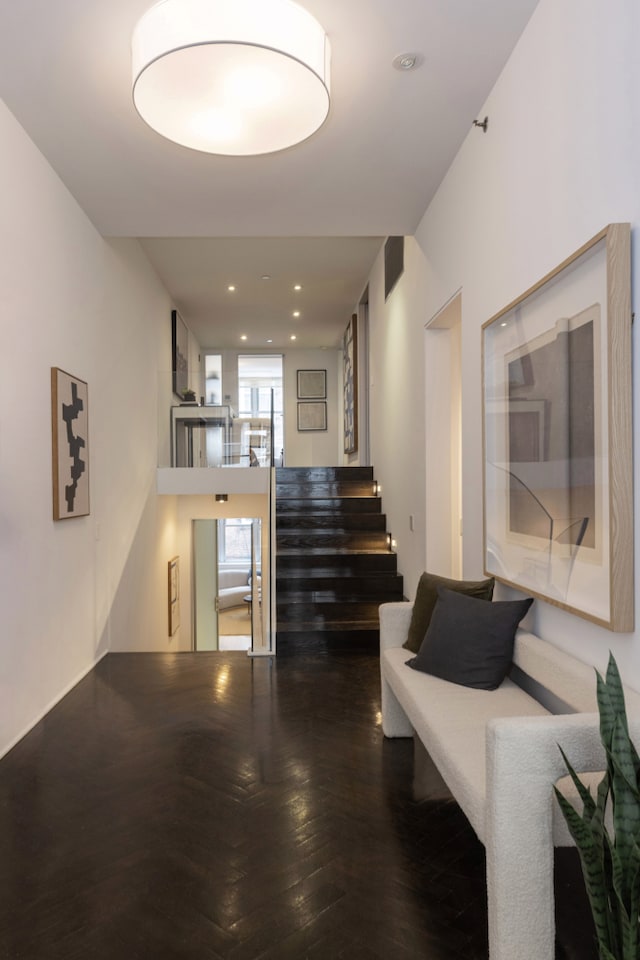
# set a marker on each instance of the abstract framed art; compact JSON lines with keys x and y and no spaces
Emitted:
{"x":558,"y":502}
{"x":179,"y":354}
{"x":69,"y":445}
{"x":312,"y":415}
{"x":174,"y":595}
{"x":312,"y":384}
{"x":350,"y":385}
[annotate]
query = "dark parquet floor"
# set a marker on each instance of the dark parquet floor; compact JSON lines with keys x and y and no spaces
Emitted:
{"x":213,"y":807}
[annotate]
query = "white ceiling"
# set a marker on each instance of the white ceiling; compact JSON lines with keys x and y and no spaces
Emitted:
{"x":369,"y":172}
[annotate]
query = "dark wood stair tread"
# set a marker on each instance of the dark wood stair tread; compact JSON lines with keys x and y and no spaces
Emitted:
{"x":334,"y":565}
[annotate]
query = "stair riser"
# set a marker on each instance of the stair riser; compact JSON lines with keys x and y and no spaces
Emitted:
{"x":330,"y":626}
{"x":326,"y":597}
{"x":331,"y":507}
{"x":353,"y":540}
{"x":335,"y":564}
{"x":315,"y":642}
{"x":334,"y":522}
{"x":340,"y":588}
{"x":331,"y":543}
{"x":325,"y":613}
{"x":322,"y":474}
{"x":314,"y":491}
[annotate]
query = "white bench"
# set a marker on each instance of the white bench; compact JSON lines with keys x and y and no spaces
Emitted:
{"x":497,"y":752}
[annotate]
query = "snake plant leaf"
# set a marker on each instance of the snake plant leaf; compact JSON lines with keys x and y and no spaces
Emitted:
{"x":618,"y":878}
{"x":627,"y":934}
{"x":607,"y":709}
{"x":592,"y":867}
{"x":634,"y":917}
{"x":615,"y":692}
{"x":583,"y":791}
{"x":621,"y":755}
{"x":626,"y":806}
{"x":635,"y":882}
{"x":608,"y":855}
{"x":604,"y":788}
{"x":611,"y":863}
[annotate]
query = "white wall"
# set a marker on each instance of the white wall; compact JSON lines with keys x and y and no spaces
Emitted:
{"x":397,"y":406}
{"x":321,"y":448}
{"x":560,"y":161}
{"x":69,"y":299}
{"x":313,"y":448}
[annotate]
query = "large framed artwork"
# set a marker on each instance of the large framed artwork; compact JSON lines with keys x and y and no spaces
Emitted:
{"x":350,"y":385}
{"x":70,"y":445}
{"x":174,"y":595}
{"x":558,"y":472}
{"x":179,"y":354}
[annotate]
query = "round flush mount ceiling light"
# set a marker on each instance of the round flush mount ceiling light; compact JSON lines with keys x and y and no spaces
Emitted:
{"x":233,"y":77}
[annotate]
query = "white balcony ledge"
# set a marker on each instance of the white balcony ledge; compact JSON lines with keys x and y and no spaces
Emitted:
{"x":210,"y":480}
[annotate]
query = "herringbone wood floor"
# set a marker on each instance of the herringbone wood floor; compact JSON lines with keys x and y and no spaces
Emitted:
{"x":211,"y":807}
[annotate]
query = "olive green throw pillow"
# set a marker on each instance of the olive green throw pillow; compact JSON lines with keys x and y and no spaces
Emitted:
{"x":427,"y":596}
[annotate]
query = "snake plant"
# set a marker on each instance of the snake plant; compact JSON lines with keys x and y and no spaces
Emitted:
{"x":611,"y":862}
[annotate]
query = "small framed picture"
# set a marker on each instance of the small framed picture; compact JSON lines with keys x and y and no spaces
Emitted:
{"x":70,"y":445}
{"x":312,"y":384}
{"x":174,"y":595}
{"x":312,"y":415}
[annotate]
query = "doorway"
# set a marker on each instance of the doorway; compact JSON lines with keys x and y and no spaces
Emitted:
{"x":260,"y":409}
{"x":443,"y":420}
{"x":227,"y":583}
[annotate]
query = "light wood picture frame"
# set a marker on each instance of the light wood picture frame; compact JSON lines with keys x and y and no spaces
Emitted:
{"x":312,"y":384}
{"x":557,"y":434}
{"x":174,"y":594}
{"x":69,"y":445}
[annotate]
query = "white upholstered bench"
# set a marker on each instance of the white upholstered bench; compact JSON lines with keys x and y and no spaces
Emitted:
{"x":497,"y":752}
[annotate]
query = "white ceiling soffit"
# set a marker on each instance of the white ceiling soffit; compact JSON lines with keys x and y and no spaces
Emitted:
{"x":331,"y":271}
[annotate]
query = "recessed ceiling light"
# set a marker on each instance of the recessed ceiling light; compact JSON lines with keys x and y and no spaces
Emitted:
{"x":265,"y":277}
{"x":231,"y":288}
{"x":269,"y":341}
{"x":243,"y":337}
{"x":293,"y":336}
{"x":296,"y":313}
{"x":407,"y":61}
{"x":297,"y":287}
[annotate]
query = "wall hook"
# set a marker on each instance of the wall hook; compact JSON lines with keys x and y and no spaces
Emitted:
{"x":482,"y":123}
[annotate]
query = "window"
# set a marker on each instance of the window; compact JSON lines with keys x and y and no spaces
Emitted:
{"x":213,"y":378}
{"x":234,"y":540}
{"x":260,"y":379}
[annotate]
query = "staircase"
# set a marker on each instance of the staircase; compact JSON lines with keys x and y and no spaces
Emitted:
{"x":334,"y":565}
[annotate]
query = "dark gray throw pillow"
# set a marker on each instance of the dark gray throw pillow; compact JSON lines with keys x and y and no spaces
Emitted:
{"x":470,"y":641}
{"x":427,"y":597}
